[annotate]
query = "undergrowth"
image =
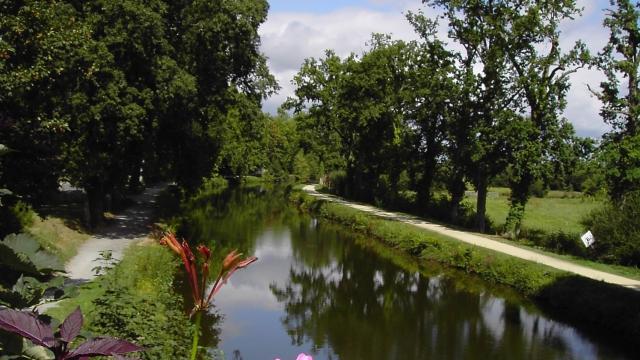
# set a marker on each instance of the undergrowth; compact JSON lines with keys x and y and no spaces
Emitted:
{"x":137,"y":301}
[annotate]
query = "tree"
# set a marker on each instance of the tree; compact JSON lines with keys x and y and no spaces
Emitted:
{"x":483,"y":103}
{"x":39,"y":50}
{"x":217,"y":45}
{"x":430,"y":107}
{"x":542,"y":79}
{"x":280,"y":144}
{"x":620,"y":60}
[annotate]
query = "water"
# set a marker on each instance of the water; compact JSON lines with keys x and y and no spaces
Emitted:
{"x":320,"y":289}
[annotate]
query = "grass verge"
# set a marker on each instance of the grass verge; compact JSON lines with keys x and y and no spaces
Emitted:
{"x":589,"y":305}
{"x":137,"y":301}
{"x":56,"y":237}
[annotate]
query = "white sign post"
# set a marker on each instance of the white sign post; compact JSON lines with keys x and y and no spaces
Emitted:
{"x":588,"y":239}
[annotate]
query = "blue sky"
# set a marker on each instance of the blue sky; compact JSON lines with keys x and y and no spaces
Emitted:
{"x":296,"y":30}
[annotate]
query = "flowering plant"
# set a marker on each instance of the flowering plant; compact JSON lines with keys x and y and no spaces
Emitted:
{"x":231,"y":263}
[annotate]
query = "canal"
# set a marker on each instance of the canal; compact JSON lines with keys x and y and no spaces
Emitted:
{"x":321,"y":289}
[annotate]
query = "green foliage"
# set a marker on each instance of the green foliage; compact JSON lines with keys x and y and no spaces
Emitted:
{"x":26,"y":273}
{"x":538,"y":189}
{"x":137,"y":301}
{"x":619,"y":61}
{"x":24,"y":214}
{"x":616,"y":228}
{"x":21,"y":253}
{"x":110,"y":94}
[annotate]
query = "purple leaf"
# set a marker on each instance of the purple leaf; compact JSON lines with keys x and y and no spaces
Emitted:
{"x":28,"y":326}
{"x":106,"y":346}
{"x":71,"y":326}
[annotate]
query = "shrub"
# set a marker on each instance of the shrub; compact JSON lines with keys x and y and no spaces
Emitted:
{"x":539,"y":189}
{"x":337,"y":182}
{"x":139,"y":304}
{"x":616,"y":228}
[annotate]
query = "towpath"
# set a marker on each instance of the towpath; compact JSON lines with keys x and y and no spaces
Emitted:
{"x":481,"y":241}
{"x":126,"y":228}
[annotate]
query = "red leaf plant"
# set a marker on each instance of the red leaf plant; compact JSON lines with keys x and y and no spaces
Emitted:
{"x":27,"y":325}
{"x":231,"y":263}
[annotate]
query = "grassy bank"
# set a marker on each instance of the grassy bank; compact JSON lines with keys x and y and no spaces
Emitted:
{"x":57,"y":237}
{"x":137,"y":300}
{"x":590,"y":305}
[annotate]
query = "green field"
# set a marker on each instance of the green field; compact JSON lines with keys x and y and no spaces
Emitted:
{"x":557,"y":212}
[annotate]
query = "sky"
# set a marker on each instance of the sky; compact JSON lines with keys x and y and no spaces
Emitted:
{"x":296,"y":30}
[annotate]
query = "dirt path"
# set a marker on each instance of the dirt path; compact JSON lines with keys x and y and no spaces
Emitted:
{"x":484,"y":242}
{"x":128,"y":227}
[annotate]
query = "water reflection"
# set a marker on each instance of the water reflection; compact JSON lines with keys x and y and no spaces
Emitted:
{"x":318,"y":289}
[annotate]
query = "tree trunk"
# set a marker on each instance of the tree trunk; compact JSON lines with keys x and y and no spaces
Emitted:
{"x":481,"y":203}
{"x":95,"y":199}
{"x":519,"y":198}
{"x":424,"y":191}
{"x":456,"y":190}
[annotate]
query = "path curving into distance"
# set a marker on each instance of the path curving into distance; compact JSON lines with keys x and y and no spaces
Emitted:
{"x":128,"y":227}
{"x":481,"y":241}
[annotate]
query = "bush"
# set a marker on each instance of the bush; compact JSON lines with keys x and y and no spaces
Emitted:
{"x":538,"y":189}
{"x":139,"y":304}
{"x":616,"y":228}
{"x":337,"y":182}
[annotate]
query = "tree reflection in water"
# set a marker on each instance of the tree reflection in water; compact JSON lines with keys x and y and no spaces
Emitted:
{"x":361,"y":306}
{"x":324,"y":290}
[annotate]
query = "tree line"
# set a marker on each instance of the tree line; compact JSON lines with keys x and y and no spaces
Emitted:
{"x":101,"y":93}
{"x":405,"y":115}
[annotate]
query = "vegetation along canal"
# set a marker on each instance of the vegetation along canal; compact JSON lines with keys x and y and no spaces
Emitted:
{"x":321,"y":289}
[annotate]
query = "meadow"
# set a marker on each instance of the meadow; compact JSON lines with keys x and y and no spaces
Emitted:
{"x":558,"y":211}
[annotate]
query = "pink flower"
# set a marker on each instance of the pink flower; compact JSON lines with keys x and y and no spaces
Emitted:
{"x":304,"y":356}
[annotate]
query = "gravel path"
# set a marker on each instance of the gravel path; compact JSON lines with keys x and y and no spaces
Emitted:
{"x":484,"y":242}
{"x":128,"y":227}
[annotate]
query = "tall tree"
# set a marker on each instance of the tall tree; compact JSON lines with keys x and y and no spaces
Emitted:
{"x":217,"y":43}
{"x":39,"y":51}
{"x":430,"y":107}
{"x":620,"y":96}
{"x":541,"y":76}
{"x":475,"y":137}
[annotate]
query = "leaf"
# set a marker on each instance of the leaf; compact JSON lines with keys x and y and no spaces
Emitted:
{"x":4,"y":149}
{"x":104,"y":346}
{"x":34,"y":352}
{"x":27,"y":326}
{"x":71,"y":326}
{"x":22,"y":253}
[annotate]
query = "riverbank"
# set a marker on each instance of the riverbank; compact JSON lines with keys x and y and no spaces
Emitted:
{"x":586,"y":303}
{"x":137,"y":300}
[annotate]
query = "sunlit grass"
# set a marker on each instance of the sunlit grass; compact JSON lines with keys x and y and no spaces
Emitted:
{"x":57,"y":237}
{"x":558,"y":211}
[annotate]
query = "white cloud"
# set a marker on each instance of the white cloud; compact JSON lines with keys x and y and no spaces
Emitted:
{"x":290,"y":37}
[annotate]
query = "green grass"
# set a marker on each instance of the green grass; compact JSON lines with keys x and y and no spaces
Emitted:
{"x":553,"y":213}
{"x":55,"y":236}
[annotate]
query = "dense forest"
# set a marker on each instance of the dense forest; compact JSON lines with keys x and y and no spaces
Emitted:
{"x":111,"y":95}
{"x":100,"y":93}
